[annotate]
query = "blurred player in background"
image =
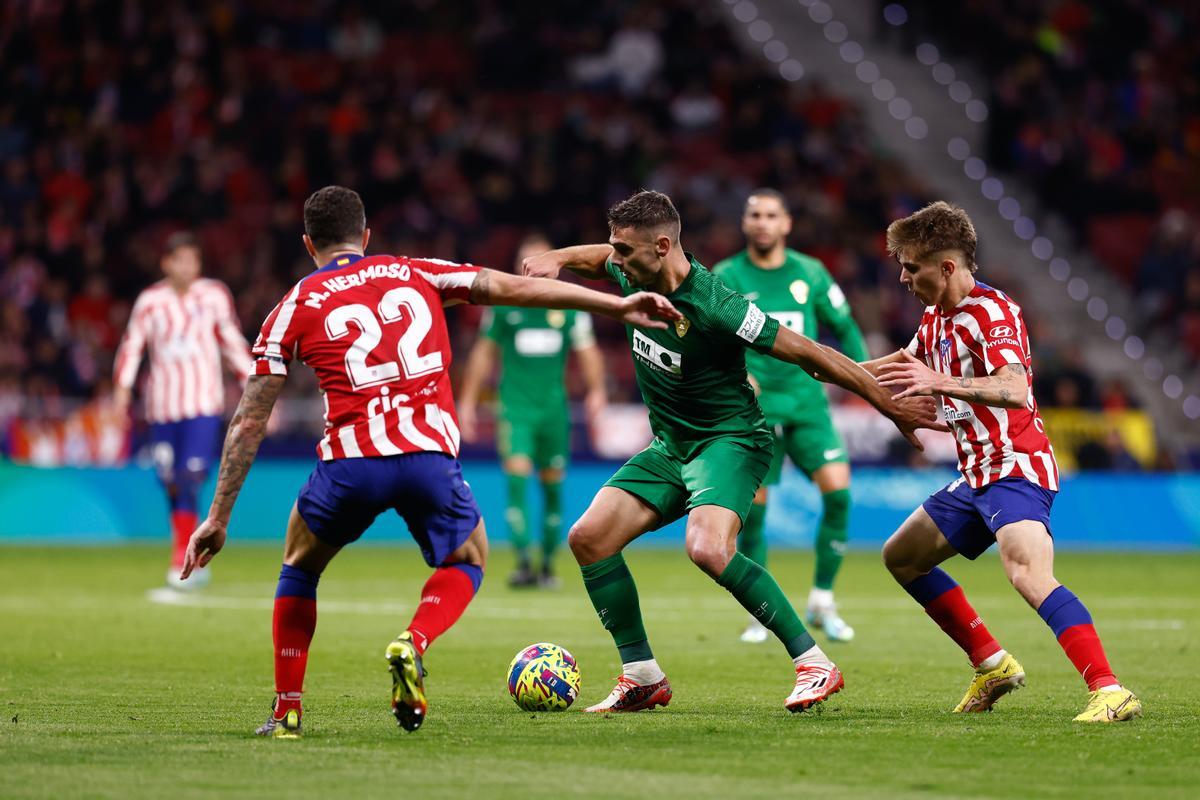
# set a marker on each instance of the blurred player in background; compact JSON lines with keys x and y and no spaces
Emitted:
{"x":711,"y":447}
{"x":972,"y":350}
{"x":533,"y":417}
{"x":373,"y":330}
{"x":797,"y":290}
{"x":189,"y":326}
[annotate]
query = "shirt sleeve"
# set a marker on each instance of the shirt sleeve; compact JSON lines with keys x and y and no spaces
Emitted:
{"x":453,"y":281}
{"x":734,"y":317}
{"x":229,"y":334}
{"x":581,"y":333}
{"x":133,"y":344}
{"x":276,"y":345}
{"x":833,"y":311}
{"x":999,"y":334}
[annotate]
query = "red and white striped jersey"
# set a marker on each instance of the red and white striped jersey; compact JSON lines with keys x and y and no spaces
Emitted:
{"x":981,"y":334}
{"x":373,"y":330}
{"x":187,"y":336}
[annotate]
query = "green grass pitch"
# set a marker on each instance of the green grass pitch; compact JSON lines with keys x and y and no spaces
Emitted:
{"x":106,"y":694}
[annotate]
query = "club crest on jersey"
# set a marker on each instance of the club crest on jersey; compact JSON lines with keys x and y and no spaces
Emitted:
{"x":944,"y":347}
{"x":682,"y":326}
{"x":556,"y":318}
{"x":799,"y":290}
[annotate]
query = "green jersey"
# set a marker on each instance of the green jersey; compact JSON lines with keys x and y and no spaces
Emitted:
{"x":693,"y":374}
{"x":533,"y":346}
{"x":802,"y":295}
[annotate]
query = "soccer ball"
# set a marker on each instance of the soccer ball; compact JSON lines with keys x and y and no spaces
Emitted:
{"x":543,"y":677}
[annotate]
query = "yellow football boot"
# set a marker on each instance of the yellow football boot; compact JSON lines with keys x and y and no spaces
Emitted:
{"x":990,"y":685}
{"x":1113,"y":705}
{"x":285,"y":727}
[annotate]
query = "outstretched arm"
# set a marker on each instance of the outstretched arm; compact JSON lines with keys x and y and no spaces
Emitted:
{"x":588,"y":260}
{"x":826,"y":364}
{"x":874,"y":365}
{"x":246,"y":432}
{"x":1006,"y":387}
{"x":479,"y":367}
{"x":642,"y":309}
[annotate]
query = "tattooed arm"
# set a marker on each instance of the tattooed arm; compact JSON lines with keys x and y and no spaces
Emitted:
{"x":1007,"y":387}
{"x":246,"y":432}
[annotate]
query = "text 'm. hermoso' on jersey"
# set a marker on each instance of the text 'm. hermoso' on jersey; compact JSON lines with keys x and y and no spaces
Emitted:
{"x":373,"y":330}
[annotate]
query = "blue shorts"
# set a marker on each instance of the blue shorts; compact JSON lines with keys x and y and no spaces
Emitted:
{"x":343,"y":497}
{"x":190,"y":445}
{"x":969,"y":518}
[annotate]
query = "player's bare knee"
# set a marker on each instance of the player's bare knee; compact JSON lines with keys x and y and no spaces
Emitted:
{"x":584,"y":540}
{"x":708,"y":550}
{"x":518,"y":465}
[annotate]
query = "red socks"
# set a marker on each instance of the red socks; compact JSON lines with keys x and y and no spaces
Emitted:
{"x":292,"y":629}
{"x":958,"y":619}
{"x":1072,"y":626}
{"x":945,"y":603}
{"x":183,"y":524}
{"x":443,"y":599}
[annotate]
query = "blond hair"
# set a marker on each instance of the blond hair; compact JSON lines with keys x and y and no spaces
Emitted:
{"x":936,"y":227}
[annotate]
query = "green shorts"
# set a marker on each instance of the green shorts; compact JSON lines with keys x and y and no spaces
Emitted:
{"x":725,"y":472}
{"x":545,"y":440}
{"x":810,"y":445}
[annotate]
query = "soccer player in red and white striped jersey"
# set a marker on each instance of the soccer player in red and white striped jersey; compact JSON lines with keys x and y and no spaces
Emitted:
{"x":189,"y":327}
{"x":373,"y":330}
{"x":972,"y":351}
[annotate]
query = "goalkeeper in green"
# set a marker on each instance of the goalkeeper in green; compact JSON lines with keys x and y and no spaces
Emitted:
{"x":797,"y":290}
{"x":533,"y":424}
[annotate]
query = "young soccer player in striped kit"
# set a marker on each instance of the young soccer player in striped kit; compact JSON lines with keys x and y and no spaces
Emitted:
{"x":373,"y":330}
{"x":189,"y":327}
{"x":972,"y":350}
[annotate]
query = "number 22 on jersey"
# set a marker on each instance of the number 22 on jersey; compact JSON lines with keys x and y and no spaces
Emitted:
{"x":392,"y":308}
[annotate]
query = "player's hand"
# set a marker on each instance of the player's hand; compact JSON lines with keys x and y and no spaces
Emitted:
{"x":122,"y":399}
{"x":468,"y":422}
{"x":205,"y":543}
{"x":910,"y":376}
{"x":647,"y":310}
{"x":911,"y":413}
{"x":543,"y":265}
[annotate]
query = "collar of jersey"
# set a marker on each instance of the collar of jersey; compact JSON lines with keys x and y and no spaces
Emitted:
{"x":979,"y":288}
{"x":341,"y":262}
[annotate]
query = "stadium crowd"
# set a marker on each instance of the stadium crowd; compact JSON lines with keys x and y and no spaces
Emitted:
{"x":222,"y":116}
{"x":1097,"y":105}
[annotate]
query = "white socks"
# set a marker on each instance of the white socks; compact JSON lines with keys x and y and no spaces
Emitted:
{"x":992,"y":661}
{"x":813,"y":656}
{"x":643,"y":673}
{"x":820,"y":598}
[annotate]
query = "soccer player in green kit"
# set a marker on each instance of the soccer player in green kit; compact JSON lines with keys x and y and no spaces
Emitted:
{"x":798,"y":291}
{"x":711,"y":450}
{"x":534,"y":422}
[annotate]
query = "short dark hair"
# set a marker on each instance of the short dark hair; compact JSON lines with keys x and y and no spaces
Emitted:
{"x":179,"y":240}
{"x":774,"y":194}
{"x":334,"y":215}
{"x":646,"y":209}
{"x":936,"y":227}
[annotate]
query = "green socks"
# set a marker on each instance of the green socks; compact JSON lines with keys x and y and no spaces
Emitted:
{"x":759,"y":594}
{"x":516,"y":515}
{"x":752,"y":541}
{"x":614,"y":596}
{"x":551,"y":520}
{"x":831,"y":537}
